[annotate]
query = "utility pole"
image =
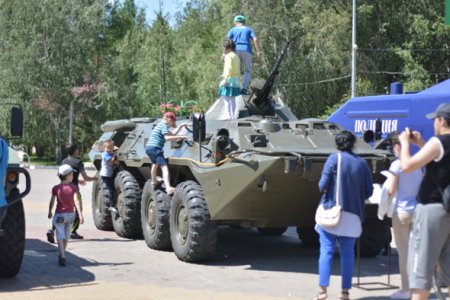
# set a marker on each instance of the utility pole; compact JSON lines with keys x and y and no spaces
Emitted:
{"x":161,"y":50}
{"x":354,"y":48}
{"x":71,"y":121}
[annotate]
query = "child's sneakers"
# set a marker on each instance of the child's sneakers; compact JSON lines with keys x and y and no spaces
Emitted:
{"x":51,"y":237}
{"x":76,"y":236}
{"x":114,"y":212}
{"x":112,"y":209}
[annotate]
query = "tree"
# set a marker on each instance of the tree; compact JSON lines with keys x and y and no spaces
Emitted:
{"x":123,"y":34}
{"x":47,"y":46}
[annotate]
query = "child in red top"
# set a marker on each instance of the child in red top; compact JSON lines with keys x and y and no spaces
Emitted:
{"x":67,"y":198}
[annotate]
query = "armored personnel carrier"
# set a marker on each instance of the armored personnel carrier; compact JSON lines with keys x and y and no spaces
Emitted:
{"x":260,"y":170}
{"x":12,"y":232}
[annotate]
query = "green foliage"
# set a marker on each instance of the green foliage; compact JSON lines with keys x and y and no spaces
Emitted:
{"x":48,"y":46}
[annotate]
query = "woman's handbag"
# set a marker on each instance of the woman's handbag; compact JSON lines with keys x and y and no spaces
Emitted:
{"x":330,"y":218}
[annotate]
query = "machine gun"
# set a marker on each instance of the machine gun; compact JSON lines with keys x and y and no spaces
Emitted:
{"x":259,"y":101}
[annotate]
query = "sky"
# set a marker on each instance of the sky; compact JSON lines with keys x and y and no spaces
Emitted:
{"x":168,"y":7}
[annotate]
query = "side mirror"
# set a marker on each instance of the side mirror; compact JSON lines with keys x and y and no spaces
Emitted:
{"x":368,"y":136}
{"x":16,"y":121}
{"x":378,"y":129}
{"x":199,"y":127}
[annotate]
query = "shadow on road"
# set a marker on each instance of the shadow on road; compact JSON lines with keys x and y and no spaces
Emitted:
{"x":238,"y":246}
{"x":40,"y":269}
{"x":283,"y":253}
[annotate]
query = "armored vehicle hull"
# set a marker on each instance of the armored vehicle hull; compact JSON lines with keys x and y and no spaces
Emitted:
{"x":252,"y":172}
{"x":260,"y":170}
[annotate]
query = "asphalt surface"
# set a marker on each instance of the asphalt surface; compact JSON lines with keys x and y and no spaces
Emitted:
{"x":104,"y":266}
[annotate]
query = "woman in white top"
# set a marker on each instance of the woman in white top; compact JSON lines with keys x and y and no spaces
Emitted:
{"x":404,"y":186}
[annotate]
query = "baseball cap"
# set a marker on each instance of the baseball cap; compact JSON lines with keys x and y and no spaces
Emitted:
{"x":65,"y":170}
{"x":443,"y":110}
{"x":239,"y":18}
{"x":171,"y":115}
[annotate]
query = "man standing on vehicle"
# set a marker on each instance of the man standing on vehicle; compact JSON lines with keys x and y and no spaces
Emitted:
{"x":242,"y":37}
{"x":430,"y":237}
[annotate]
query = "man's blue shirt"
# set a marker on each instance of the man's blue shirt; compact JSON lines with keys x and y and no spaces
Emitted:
{"x":242,"y":36}
{"x":4,"y":156}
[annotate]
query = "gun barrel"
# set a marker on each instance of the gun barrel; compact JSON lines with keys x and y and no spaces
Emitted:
{"x":265,"y":91}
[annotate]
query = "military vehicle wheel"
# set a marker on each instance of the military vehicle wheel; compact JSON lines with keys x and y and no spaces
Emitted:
{"x":127,"y":223}
{"x":374,"y":237}
{"x":308,"y":236}
{"x":12,"y":244}
{"x":193,"y":234}
{"x":155,"y":209}
{"x":100,"y":200}
{"x":271,"y":231}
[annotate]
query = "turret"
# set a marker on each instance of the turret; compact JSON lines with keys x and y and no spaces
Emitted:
{"x":259,"y":102}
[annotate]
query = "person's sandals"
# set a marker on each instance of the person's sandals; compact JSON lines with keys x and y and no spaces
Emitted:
{"x":156,"y":185}
{"x":170,"y":191}
{"x":51,"y":237}
{"x":76,"y":236}
{"x":61,"y":261}
{"x":345,"y":295}
{"x":321,"y":296}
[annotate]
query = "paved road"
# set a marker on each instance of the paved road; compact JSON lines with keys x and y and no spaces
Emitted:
{"x":104,"y":266}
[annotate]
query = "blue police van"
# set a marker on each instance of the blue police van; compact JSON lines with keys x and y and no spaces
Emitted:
{"x":373,"y":117}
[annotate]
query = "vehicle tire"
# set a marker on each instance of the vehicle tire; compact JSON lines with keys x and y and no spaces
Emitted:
{"x":155,"y":218}
{"x":271,"y":231}
{"x":308,"y":236}
{"x":12,"y":244}
{"x":193,"y":234}
{"x":375,"y":235}
{"x":128,"y":193}
{"x":100,"y":201}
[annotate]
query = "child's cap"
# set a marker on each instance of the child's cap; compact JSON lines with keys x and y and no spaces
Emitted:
{"x":239,"y":19}
{"x":65,"y":170}
{"x":171,"y":115}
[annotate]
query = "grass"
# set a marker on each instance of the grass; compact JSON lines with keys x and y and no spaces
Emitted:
{"x":42,"y":161}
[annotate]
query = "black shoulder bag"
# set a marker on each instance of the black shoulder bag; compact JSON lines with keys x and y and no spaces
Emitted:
{"x":445,"y":194}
